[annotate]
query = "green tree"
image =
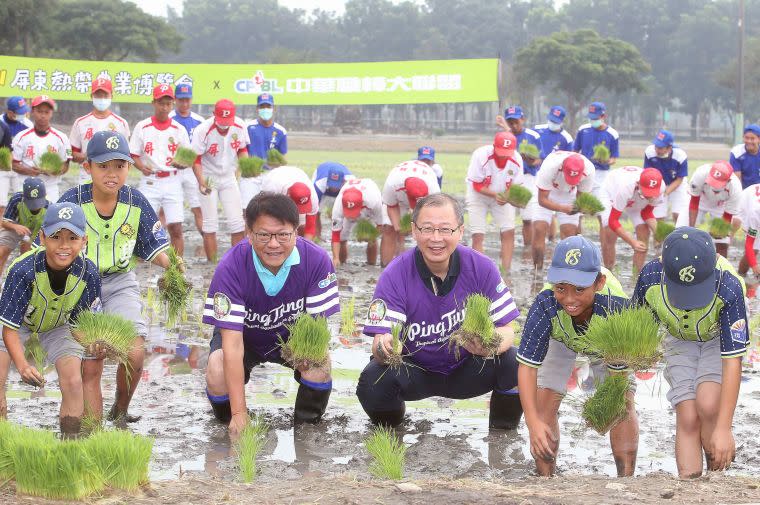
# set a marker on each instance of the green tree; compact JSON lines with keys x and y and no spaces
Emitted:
{"x":23,"y":26}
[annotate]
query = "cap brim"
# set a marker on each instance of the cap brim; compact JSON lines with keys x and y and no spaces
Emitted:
{"x":715,"y":183}
{"x":266,"y":102}
{"x":513,"y":116}
{"x":426,"y":157}
{"x":556,"y":275}
{"x":35,"y":203}
{"x":182,"y":95}
{"x":693,"y":296}
{"x":573,"y":181}
{"x":111,"y":156}
{"x":55,"y":228}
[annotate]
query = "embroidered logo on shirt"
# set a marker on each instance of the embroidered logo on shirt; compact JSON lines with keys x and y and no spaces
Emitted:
{"x":739,"y":331}
{"x":222,"y":305}
{"x":158,"y":231}
{"x":127,"y":230}
{"x":331,"y":277}
{"x":96,"y":305}
{"x":501,"y":287}
{"x":376,"y":311}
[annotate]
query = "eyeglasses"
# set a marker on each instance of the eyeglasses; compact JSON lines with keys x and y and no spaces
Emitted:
{"x":282,"y":237}
{"x":444,"y":231}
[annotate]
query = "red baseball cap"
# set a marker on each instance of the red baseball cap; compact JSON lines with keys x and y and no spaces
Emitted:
{"x":719,"y":174}
{"x":352,"y":203}
{"x":504,"y":144}
{"x":163,"y":90}
{"x":102,"y":84}
{"x":415,"y":189}
{"x":39,"y":100}
{"x":650,"y":182}
{"x":301,"y":194}
{"x":572,"y":169}
{"x":224,"y":112}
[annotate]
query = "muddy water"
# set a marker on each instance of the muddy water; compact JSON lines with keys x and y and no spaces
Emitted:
{"x":445,"y":438}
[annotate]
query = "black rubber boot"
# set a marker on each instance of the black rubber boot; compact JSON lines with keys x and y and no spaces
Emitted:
{"x":506,"y":411}
{"x":310,"y":404}
{"x":221,"y":407}
{"x":388,"y":418}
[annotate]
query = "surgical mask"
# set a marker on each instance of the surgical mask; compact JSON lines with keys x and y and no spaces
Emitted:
{"x":555,"y":127}
{"x":266,"y":114}
{"x":101,"y":104}
{"x":596,"y":123}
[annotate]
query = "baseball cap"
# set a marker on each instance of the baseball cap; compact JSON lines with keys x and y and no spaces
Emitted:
{"x":183,"y":91}
{"x":426,"y":153}
{"x":162,"y":90}
{"x":39,"y":100}
{"x":556,"y":114}
{"x":596,"y":110}
{"x":719,"y":174}
{"x":34,"y":193}
{"x":752,"y":128}
{"x":415,"y":189}
{"x":102,"y":84}
{"x":106,"y":146}
{"x":300,"y":193}
{"x":688,"y":261}
{"x":17,"y":105}
{"x":504,"y":144}
{"x":513,"y":112}
{"x":576,"y":261}
{"x":336,"y":176}
{"x":64,"y":215}
{"x":224,"y":112}
{"x":352,"y":203}
{"x":265,"y":98}
{"x":663,"y":139}
{"x":650,"y":182}
{"x":572,"y":169}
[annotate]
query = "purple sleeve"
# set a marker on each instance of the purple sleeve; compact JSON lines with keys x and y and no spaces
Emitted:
{"x":225,"y":305}
{"x":387,"y":307}
{"x":503,"y":309}
{"x":322,"y":297}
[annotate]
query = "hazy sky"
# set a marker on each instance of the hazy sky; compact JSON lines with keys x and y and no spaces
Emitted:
{"x":158,"y":7}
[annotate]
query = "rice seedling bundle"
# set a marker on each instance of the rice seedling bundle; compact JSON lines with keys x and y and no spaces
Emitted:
{"x":248,"y":447}
{"x":663,"y":230}
{"x":112,"y":332}
{"x":528,"y":150}
{"x":6,"y":159}
{"x":251,"y":167}
{"x":366,"y":231}
{"x":601,"y":153}
{"x":36,"y":353}
{"x":121,"y":457}
{"x":517,"y":195}
{"x":347,"y":317}
{"x":586,"y":203}
{"x":12,"y":434}
{"x":174,"y":288}
{"x":51,"y":163}
{"x":308,"y":342}
{"x":185,"y":157}
{"x":395,"y":359}
{"x":477,"y":325}
{"x":275,"y":158}
{"x":388,"y":453}
{"x":719,"y":228}
{"x":405,"y":226}
{"x":607,"y":406}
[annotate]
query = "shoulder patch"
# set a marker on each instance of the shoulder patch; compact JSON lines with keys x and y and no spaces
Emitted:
{"x":376,"y":311}
{"x":739,"y":331}
{"x":158,"y":231}
{"x":501,"y":287}
{"x":331,"y":277}
{"x":222,"y":305}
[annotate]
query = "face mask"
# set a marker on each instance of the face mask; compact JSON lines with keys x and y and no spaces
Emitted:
{"x":101,"y":104}
{"x":596,"y":123}
{"x":266,"y":114}
{"x":554,"y":127}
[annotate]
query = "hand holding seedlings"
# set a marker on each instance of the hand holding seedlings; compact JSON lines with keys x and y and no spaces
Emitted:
{"x":237,"y":424}
{"x":30,"y":375}
{"x":96,"y":350}
{"x":382,"y":347}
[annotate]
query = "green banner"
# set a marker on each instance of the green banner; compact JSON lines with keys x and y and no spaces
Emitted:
{"x":394,"y":82}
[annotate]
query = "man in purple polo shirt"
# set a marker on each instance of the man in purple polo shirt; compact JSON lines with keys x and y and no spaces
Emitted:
{"x":261,"y":285}
{"x":424,"y":290}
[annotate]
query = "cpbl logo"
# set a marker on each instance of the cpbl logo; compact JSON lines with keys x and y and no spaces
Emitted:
{"x":257,"y":84}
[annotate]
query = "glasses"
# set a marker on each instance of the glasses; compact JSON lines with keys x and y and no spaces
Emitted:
{"x":444,"y":231}
{"x":282,"y":237}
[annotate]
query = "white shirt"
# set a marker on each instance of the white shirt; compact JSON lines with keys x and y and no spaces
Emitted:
{"x":157,"y":144}
{"x":749,"y":209}
{"x":28,"y":148}
{"x":483,"y":169}
{"x":219,"y":153}
{"x":622,"y":187}
{"x":728,"y":198}
{"x":372,"y":203}
{"x":85,"y":126}
{"x":393,"y":189}
{"x":279,"y":180}
{"x":551,"y":178}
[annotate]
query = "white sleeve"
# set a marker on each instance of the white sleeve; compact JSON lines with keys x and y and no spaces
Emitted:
{"x":622,"y":194}
{"x":198,"y":144}
{"x":734,"y":201}
{"x":75,"y":137}
{"x":66,"y":147}
{"x":545,"y":175}
{"x":698,"y":182}
{"x":184,"y":138}
{"x":136,"y":142}
{"x":17,"y":148}
{"x":337,"y":213}
{"x":476,"y":171}
{"x":389,"y":192}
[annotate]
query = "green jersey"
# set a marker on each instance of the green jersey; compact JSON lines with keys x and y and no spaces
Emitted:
{"x":17,"y":212}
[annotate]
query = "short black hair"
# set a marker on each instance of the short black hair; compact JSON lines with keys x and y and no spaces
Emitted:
{"x":275,"y":205}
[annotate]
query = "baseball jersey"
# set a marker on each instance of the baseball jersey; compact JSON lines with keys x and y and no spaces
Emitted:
{"x":749,"y":209}
{"x":725,"y":317}
{"x":320,"y":178}
{"x":588,"y":138}
{"x":372,"y":203}
{"x":553,"y":141}
{"x":727,"y":199}
{"x":622,"y":187}
{"x":156,"y":143}
{"x":29,"y":300}
{"x":28,"y":147}
{"x":17,"y":126}
{"x":483,"y":170}
{"x":674,"y":166}
{"x":219,"y":153}
{"x":190,"y":122}
{"x":134,"y":231}
{"x":238,"y":301}
{"x":263,"y":138}
{"x":551,"y":178}
{"x":18,"y":212}
{"x":748,"y":165}
{"x":429,"y":320}
{"x":529,"y":136}
{"x":393,"y":189}
{"x":278,"y":180}
{"x":85,"y":126}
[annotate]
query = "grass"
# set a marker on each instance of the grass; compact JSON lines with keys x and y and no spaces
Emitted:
{"x":366,"y":231}
{"x":250,"y":167}
{"x":308,"y":342}
{"x":6,"y":159}
{"x":602,"y":153}
{"x":663,"y":229}
{"x":35,"y":352}
{"x":185,"y":157}
{"x":405,"y":226}
{"x":588,"y":204}
{"x":719,"y":228}
{"x":477,"y":325}
{"x":112,"y":332}
{"x":628,"y":337}
{"x":174,"y":289}
{"x":388,"y":453}
{"x":275,"y":158}
{"x":347,"y":317}
{"x":518,"y":195}
{"x":607,"y":406}
{"x":248,"y":447}
{"x":51,"y":163}
{"x":121,"y":457}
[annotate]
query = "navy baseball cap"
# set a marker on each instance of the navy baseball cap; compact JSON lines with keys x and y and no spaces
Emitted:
{"x":106,"y":146}
{"x":64,"y":215}
{"x":556,"y":114}
{"x":34,"y":193}
{"x":265,"y":98}
{"x":183,"y":91}
{"x":513,"y":112}
{"x":596,"y":110}
{"x":426,"y":153}
{"x":336,"y":176}
{"x":663,"y":139}
{"x":688,"y":260}
{"x":576,"y":261}
{"x":753,"y":128}
{"x":17,"y":105}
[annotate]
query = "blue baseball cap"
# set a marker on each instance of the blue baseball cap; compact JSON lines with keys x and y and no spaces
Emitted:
{"x":106,"y":146}
{"x":556,"y":114}
{"x":183,"y":91}
{"x":576,"y":261}
{"x":663,"y":139}
{"x":336,"y":176}
{"x":513,"y":112}
{"x":426,"y":153}
{"x":688,"y":260}
{"x":17,"y":105}
{"x":265,"y":98}
{"x":752,"y":128}
{"x":596,"y":110}
{"x":64,"y":215}
{"x":34,"y":193}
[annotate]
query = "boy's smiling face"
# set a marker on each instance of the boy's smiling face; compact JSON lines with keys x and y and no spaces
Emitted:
{"x":108,"y":177}
{"x":62,"y":248}
{"x":575,"y":300}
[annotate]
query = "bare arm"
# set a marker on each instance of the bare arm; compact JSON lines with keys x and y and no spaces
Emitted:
{"x":234,"y":377}
{"x":548,"y":203}
{"x":394,"y":214}
{"x":23,"y":169}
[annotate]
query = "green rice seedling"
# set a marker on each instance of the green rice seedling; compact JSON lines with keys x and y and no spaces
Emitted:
{"x":663,"y":230}
{"x":12,"y":434}
{"x":347,"y":317}
{"x":51,"y":163}
{"x":248,"y":447}
{"x":366,"y":231}
{"x":405,"y":226}
{"x":601,"y":153}
{"x":120,"y":456}
{"x":5,"y":159}
{"x":251,"y":167}
{"x":528,"y":150}
{"x":719,"y":228}
{"x":477,"y":325}
{"x":308,"y":342}
{"x":586,"y":203}
{"x":629,"y":337}
{"x":607,"y":406}
{"x":388,"y":453}
{"x":90,"y":422}
{"x":113,"y":333}
{"x":174,"y":288}
{"x":275,"y":158}
{"x":185,"y":157}
{"x":517,"y":195}
{"x":36,"y":353}
{"x":395,"y":359}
